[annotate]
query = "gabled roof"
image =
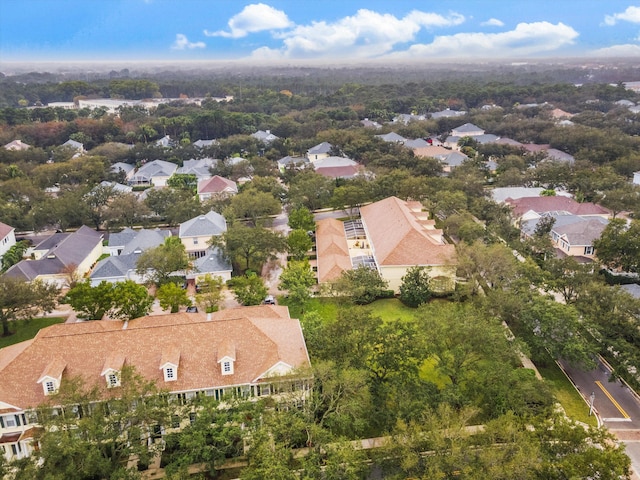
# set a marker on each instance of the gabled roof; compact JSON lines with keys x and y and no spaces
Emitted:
{"x":116,"y":187}
{"x":261,"y":341}
{"x":554,"y":204}
{"x":212,"y":223}
{"x":332,"y":249}
{"x":581,"y":233}
{"x":127,"y":168}
{"x":467,"y":128}
{"x":17,"y":145}
{"x":447,"y":113}
{"x":115,"y":267}
{"x":73,"y":144}
{"x":392,"y":137}
{"x":346,"y":171}
{"x":417,"y":143}
{"x":370,"y":123}
{"x":265,"y":137}
{"x":200,"y":168}
{"x":212,"y":262}
{"x":5,"y":230}
{"x":400,"y":234}
{"x":560,"y":156}
{"x":334,"y":162}
{"x":217,"y":184}
{"x":324,"y":147}
{"x":204,"y":143}
{"x":68,"y":250}
{"x":156,"y":168}
{"x":288,"y":160}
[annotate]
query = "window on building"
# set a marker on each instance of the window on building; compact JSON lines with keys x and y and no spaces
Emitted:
{"x":195,"y":241}
{"x":175,"y":421}
{"x":169,"y":373}
{"x":50,"y":387}
{"x":10,"y":422}
{"x":588,"y":250}
{"x":227,"y":367}
{"x":112,"y":380}
{"x":192,"y":418}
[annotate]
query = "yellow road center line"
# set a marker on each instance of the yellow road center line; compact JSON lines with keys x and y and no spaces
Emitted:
{"x":613,"y":400}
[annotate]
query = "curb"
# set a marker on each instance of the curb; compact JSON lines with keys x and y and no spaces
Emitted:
{"x":595,"y":411}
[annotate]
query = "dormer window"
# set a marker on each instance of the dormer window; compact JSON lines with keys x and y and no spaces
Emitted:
{"x":226,"y":365}
{"x":50,"y":387}
{"x":169,"y":374}
{"x":113,"y":379}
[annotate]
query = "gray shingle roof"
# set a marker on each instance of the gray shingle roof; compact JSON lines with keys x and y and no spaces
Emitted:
{"x":145,"y":239}
{"x":115,"y":266}
{"x":210,"y":224}
{"x":212,"y":262}
{"x":324,"y":147}
{"x":391,"y":137}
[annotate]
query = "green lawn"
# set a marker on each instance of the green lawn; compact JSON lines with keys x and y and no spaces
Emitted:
{"x":573,"y":404}
{"x":26,"y":329}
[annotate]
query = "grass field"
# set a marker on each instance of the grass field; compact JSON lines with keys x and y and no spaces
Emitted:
{"x":27,"y":329}
{"x":573,"y":404}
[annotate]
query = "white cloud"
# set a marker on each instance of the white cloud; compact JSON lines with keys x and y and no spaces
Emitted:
{"x":493,"y":22}
{"x":253,"y":18}
{"x":631,"y":14}
{"x":365,"y":34}
{"x":525,"y":40}
{"x":627,"y":50}
{"x":183,"y":43}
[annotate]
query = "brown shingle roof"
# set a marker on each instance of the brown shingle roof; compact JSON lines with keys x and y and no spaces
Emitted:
{"x":262,"y":336}
{"x":216,"y":184}
{"x":399,"y":235}
{"x":5,"y":230}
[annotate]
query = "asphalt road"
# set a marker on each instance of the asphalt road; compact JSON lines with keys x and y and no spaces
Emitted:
{"x":615,"y":403}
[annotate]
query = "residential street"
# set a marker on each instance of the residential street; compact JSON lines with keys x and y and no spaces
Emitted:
{"x":616,"y":404}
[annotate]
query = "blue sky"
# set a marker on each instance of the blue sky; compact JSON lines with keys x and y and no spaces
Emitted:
{"x":324,"y":30}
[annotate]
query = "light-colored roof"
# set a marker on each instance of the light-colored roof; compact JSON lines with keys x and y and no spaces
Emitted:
{"x":392,"y":137}
{"x":581,"y":233}
{"x":466,"y":128}
{"x":265,"y":137}
{"x":554,"y":204}
{"x":125,"y":167}
{"x":156,"y":168}
{"x":262,"y":337}
{"x":17,"y":145}
{"x":332,"y":250}
{"x":212,"y":223}
{"x":447,"y":113}
{"x":217,"y":184}
{"x":500,"y":194}
{"x":417,"y":143}
{"x":116,"y":187}
{"x":204,"y":143}
{"x":200,"y":168}
{"x":401,"y":234}
{"x":333,"y":162}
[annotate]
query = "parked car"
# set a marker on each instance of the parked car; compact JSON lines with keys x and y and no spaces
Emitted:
{"x":269,"y":300}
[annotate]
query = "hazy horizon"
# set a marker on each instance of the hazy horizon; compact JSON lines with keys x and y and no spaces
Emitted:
{"x":329,"y":32}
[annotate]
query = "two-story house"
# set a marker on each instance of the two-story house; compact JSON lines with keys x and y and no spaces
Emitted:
{"x":247,"y":352}
{"x":196,"y":232}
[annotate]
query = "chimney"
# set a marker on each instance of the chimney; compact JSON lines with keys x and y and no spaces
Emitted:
{"x":208,"y":316}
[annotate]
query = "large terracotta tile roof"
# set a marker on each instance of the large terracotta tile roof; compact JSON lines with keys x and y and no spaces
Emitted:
{"x":262,"y":337}
{"x":332,"y":249}
{"x":400,"y":234}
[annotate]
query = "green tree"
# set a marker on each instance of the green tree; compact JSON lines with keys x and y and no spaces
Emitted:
{"x":254,"y":205}
{"x":210,"y":293}
{"x":350,"y":197}
{"x":91,"y":303}
{"x":172,"y":296}
{"x":361,"y":285}
{"x":184,"y":181}
{"x":249,"y":246}
{"x":301,"y":218}
{"x":248,"y":289}
{"x":298,"y":278}
{"x":80,"y":440}
{"x":414,"y":290}
{"x":619,"y":245}
{"x":14,"y":254}
{"x":311,"y":190}
{"x":157,"y":264}
{"x":21,"y":300}
{"x":132,"y":301}
{"x":299,"y":243}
